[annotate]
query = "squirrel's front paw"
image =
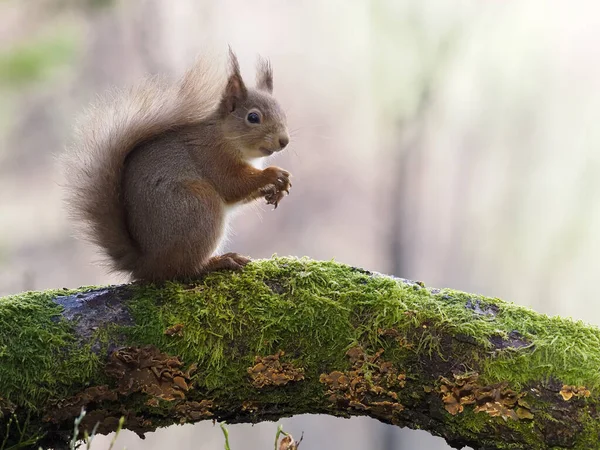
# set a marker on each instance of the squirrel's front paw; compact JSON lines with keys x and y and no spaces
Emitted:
{"x":278,"y":184}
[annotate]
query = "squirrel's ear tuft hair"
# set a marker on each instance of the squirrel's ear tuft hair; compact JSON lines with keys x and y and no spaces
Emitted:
{"x":264,"y":76}
{"x":235,"y":91}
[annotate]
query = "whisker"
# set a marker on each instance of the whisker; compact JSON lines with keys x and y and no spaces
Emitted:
{"x":311,"y":135}
{"x":238,"y":137}
{"x":306,"y":126}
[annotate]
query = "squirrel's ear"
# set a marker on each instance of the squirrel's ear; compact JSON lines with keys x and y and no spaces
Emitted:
{"x":235,"y":91}
{"x":264,"y":76}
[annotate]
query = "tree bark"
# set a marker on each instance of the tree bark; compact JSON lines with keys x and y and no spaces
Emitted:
{"x":290,"y":336}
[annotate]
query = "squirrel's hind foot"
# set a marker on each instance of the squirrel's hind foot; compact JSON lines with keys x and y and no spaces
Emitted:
{"x":227,"y":261}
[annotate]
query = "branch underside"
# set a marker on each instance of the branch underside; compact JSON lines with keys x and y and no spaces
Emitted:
{"x":289,"y":336}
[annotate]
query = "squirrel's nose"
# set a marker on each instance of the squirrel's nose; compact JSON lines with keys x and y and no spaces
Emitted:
{"x":283,"y":141}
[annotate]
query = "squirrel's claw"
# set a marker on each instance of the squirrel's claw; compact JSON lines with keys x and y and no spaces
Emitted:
{"x":279,"y":187}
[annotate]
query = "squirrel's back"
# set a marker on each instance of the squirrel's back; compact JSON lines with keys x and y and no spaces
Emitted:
{"x":109,"y":131}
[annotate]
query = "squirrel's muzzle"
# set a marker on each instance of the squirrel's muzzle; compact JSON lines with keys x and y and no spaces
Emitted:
{"x":283,"y":142}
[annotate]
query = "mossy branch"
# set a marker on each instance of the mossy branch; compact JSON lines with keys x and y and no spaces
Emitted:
{"x":289,"y":336}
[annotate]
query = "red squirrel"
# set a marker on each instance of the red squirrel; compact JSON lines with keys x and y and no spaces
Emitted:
{"x":156,"y":170}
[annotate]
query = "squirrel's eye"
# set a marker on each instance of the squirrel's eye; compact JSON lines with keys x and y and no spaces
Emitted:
{"x":253,"y":117}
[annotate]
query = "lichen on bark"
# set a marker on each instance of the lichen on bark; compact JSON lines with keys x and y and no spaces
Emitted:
{"x":288,"y":336}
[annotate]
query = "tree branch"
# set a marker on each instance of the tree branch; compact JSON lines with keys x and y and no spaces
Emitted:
{"x":291,"y":336}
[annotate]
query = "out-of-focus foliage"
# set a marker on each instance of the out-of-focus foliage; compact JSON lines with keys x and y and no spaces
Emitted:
{"x":413,"y":44}
{"x":36,"y":59}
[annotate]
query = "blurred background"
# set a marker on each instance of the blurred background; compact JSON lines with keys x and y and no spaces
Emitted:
{"x":454,"y":143}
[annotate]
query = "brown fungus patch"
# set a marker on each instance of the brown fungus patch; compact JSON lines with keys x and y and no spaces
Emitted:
{"x":60,"y":410}
{"x":150,"y":371}
{"x":175,"y":330}
{"x":568,"y":392}
{"x":145,"y":370}
{"x":270,"y":371}
{"x":194,"y":411}
{"x":105,"y":420}
{"x":496,"y":400}
{"x":371,"y":384}
{"x":108,"y":422}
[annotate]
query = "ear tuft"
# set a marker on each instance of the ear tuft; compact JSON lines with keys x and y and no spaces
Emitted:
{"x":235,"y":90}
{"x":264,"y":76}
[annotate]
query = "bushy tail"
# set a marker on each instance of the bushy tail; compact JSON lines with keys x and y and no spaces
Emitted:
{"x":110,"y":130}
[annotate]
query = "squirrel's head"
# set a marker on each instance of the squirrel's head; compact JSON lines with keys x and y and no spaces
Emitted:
{"x":252,"y":120}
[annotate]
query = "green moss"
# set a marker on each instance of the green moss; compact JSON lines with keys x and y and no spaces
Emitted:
{"x":589,"y":437}
{"x":481,"y":428}
{"x":314,"y":311}
{"x":229,"y":318}
{"x":562,"y":349}
{"x":326,"y":307}
{"x":38,"y":350}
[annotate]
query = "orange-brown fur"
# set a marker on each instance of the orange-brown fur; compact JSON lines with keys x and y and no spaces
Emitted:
{"x":156,"y":170}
